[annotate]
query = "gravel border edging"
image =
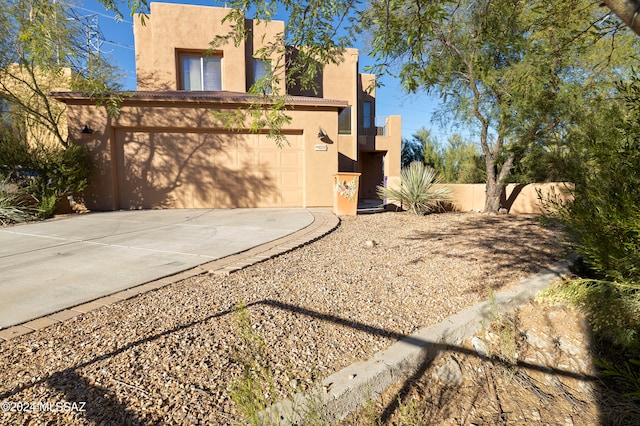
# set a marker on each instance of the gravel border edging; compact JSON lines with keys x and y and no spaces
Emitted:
{"x":346,"y":390}
{"x":324,"y":222}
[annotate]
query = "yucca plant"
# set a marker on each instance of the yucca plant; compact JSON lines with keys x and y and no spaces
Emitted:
{"x":14,"y":205}
{"x":417,"y":189}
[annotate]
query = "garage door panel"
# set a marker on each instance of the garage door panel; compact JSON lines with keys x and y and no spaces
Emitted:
{"x":294,"y":142}
{"x":248,"y":157}
{"x":201,"y":170}
{"x":290,"y":179}
{"x":290,"y":159}
{"x":268,"y":160}
{"x":291,"y":198}
{"x":250,"y":142}
{"x":225,"y":160}
{"x":264,"y":142}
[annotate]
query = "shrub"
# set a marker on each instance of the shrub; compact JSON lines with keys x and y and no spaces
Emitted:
{"x":417,"y":191}
{"x":256,"y":390}
{"x":603,"y":223}
{"x":58,"y":173}
{"x":15,"y":204}
{"x":628,"y":373}
{"x":47,"y":173}
{"x":15,"y":159}
{"x":612,"y":308}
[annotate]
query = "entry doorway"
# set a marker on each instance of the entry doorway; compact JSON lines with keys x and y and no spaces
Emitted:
{"x":371,"y":165}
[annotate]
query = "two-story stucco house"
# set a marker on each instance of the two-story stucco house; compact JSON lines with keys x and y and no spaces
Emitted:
{"x":166,"y":148}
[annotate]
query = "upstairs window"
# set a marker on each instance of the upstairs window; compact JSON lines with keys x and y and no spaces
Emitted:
{"x":344,"y":121}
{"x":5,"y":112}
{"x":367,"y":115}
{"x":200,"y":72}
{"x":261,"y":69}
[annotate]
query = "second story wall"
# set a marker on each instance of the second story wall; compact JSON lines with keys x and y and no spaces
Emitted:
{"x":171,"y":44}
{"x":341,"y":81}
{"x":367,"y":101}
{"x":265,"y":35}
{"x":170,"y":56}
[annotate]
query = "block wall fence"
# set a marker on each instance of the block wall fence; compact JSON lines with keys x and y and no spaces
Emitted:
{"x":517,"y":198}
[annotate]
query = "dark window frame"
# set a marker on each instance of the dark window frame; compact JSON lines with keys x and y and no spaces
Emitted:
{"x":344,"y":121}
{"x":367,"y":120}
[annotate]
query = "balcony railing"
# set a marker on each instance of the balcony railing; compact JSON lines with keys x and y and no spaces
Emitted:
{"x":380,"y":128}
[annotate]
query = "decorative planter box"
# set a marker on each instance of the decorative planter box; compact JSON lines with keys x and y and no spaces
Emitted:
{"x":345,"y":193}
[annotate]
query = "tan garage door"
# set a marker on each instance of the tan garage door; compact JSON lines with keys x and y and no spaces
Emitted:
{"x":207,"y":170}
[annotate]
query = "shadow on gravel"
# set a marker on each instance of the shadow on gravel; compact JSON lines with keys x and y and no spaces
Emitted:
{"x":90,"y":399}
{"x":81,"y":390}
{"x":500,"y":240}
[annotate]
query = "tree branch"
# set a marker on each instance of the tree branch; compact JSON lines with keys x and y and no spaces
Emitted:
{"x":628,"y":11}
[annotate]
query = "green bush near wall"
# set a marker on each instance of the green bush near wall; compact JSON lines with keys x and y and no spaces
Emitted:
{"x":603,"y":223}
{"x":46,"y":173}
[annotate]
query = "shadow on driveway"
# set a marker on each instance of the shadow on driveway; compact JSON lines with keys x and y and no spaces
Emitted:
{"x":50,"y":266}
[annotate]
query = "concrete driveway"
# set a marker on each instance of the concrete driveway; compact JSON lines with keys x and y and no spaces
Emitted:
{"x":49,"y":266}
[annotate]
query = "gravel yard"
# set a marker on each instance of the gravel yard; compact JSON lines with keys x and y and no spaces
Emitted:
{"x":170,"y":356}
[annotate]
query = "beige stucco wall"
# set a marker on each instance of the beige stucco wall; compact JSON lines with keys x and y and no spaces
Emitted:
{"x":31,"y":127}
{"x":389,"y":143}
{"x":518,"y":199}
{"x":526,"y":198}
{"x":270,"y":36}
{"x":318,"y":165}
{"x":172,"y":27}
{"x":340,"y":81}
{"x":191,"y":28}
{"x":392,"y":143}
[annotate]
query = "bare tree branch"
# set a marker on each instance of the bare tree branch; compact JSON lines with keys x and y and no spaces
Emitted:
{"x":627,"y":10}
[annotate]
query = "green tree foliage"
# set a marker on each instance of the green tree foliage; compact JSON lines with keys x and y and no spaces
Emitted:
{"x":411,"y":150}
{"x":457,"y":162}
{"x":579,"y":61}
{"x":505,"y":68}
{"x":431,"y":155}
{"x":605,"y":218}
{"x":603,"y":221}
{"x":462,"y":163}
{"x":44,"y":49}
{"x":625,"y":10}
{"x":314,"y":36}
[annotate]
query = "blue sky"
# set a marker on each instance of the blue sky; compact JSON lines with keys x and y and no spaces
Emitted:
{"x":416,"y":110}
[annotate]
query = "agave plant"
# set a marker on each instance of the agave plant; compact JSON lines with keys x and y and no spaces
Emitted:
{"x":417,"y":192}
{"x":14,"y":205}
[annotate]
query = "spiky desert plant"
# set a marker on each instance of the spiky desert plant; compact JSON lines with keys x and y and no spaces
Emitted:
{"x":417,"y":189}
{"x":14,"y":204}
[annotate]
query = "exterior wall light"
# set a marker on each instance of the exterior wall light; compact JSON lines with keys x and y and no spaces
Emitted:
{"x":321,"y":134}
{"x":86,"y":130}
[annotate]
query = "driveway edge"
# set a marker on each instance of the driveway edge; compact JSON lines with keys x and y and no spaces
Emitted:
{"x":323,"y":223}
{"x":348,"y":389}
